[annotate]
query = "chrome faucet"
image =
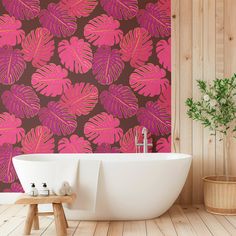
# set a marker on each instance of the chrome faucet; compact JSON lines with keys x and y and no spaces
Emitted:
{"x":145,"y":143}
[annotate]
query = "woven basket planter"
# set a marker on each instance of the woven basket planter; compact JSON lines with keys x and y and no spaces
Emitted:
{"x":220,"y":195}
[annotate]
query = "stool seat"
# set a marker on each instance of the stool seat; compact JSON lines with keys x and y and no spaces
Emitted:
{"x":27,"y":199}
{"x":58,"y":211}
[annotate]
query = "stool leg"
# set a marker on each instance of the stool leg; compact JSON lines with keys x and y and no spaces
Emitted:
{"x":29,"y":219}
{"x":59,"y":220}
{"x":36,"y":219}
{"x":64,"y":216}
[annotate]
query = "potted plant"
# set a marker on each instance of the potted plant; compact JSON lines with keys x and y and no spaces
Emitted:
{"x":216,"y":109}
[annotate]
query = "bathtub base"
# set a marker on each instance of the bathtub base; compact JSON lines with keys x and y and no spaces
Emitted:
{"x":79,"y":215}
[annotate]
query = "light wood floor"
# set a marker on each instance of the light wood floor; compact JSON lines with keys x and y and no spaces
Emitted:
{"x":186,"y":221}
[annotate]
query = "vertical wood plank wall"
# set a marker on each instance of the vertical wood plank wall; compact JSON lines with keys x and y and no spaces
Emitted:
{"x":203,"y":47}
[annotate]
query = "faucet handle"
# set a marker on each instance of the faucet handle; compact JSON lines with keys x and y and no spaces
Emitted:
{"x":136,"y":142}
{"x":136,"y":138}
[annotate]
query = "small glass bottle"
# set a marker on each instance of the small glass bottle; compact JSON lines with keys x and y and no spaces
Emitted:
{"x":33,"y":190}
{"x":44,"y":191}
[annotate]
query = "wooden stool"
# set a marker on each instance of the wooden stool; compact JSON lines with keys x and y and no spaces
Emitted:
{"x":58,"y":212}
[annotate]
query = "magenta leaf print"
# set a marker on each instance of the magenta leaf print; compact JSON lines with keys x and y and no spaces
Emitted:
{"x":107,"y":65}
{"x":119,"y":101}
{"x":120,"y":9}
{"x":74,"y":144}
{"x":38,"y":47}
{"x":103,"y":30}
{"x":163,"y":145}
{"x":79,"y":8}
{"x":10,"y":130}
{"x":148,"y":80}
{"x":12,"y":65}
{"x":156,"y":19}
{"x":163,"y":50}
{"x":164,"y":100}
{"x":103,"y":128}
{"x":76,"y":55}
{"x":15,"y":187}
{"x":57,"y":119}
{"x":80,"y":99}
{"x":127,"y":142}
{"x":38,"y":140}
{"x":21,"y":100}
{"x":57,"y":20}
{"x":22,"y":9}
{"x":50,"y":80}
{"x":155,"y":118}
{"x":10,"y":32}
{"x":106,"y":148}
{"x":7,"y":171}
{"x":136,"y":47}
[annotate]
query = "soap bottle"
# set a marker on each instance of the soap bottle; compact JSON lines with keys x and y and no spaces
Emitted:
{"x":44,"y":191}
{"x":33,"y":190}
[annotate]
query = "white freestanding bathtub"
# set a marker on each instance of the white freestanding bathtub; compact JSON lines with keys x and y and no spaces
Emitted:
{"x":110,"y":186}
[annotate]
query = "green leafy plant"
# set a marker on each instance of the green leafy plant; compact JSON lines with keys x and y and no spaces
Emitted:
{"x":216,"y":109}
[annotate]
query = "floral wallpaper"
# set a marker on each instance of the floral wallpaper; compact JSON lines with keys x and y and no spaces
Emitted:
{"x":82,"y":76}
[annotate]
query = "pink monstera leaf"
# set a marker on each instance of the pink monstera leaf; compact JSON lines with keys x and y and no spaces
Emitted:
{"x":7,"y":171}
{"x":76,"y":55}
{"x":103,"y":30}
{"x":10,"y":32}
{"x":106,"y":148}
{"x":38,"y":47}
{"x":148,"y":80}
{"x":10,"y":130}
{"x":38,"y":140}
{"x":79,"y":8}
{"x":74,"y":144}
{"x":50,"y":80}
{"x":119,"y":101}
{"x":136,"y":47}
{"x":107,"y":65}
{"x":15,"y":187}
{"x":164,"y":100}
{"x":103,"y":128}
{"x":121,"y":10}
{"x":21,"y":100}
{"x":127,"y":142}
{"x":22,"y":9}
{"x":163,"y":145}
{"x":12,"y":65}
{"x":155,"y":118}
{"x":163,"y":50}
{"x":80,"y":99}
{"x":57,"y":118}
{"x":156,"y":19}
{"x":57,"y":20}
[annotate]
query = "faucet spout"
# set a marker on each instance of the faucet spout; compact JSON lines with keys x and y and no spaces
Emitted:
{"x":145,"y":140}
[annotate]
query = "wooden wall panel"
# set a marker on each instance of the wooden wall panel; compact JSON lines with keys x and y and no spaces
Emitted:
{"x":219,"y":70}
{"x":185,"y":67}
{"x":197,"y":73}
{"x":208,"y":75}
{"x":203,"y":47}
{"x":230,"y":63}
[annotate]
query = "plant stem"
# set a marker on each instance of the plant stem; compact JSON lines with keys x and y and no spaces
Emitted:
{"x":226,"y":156}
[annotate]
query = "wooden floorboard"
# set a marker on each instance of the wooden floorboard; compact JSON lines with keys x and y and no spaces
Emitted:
{"x":116,"y":228}
{"x":181,"y":222}
{"x":178,"y":221}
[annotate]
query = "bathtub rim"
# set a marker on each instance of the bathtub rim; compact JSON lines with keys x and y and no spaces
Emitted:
{"x":144,"y":157}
